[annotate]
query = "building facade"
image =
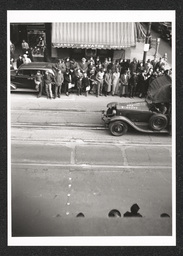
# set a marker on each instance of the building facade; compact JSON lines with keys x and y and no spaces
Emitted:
{"x":77,"y":40}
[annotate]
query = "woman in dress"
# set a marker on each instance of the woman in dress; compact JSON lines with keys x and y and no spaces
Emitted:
{"x":115,"y":82}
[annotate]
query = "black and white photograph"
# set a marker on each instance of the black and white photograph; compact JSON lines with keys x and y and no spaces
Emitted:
{"x":91,"y":128}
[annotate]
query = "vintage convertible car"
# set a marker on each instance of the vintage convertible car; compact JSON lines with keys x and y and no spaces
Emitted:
{"x":151,"y":116}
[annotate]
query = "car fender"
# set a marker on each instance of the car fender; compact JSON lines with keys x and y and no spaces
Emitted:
{"x":132,"y":124}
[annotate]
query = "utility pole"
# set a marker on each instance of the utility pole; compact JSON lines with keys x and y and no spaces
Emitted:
{"x":146,"y":46}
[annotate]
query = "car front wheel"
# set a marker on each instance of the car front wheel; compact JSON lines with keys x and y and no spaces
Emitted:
{"x":118,"y":128}
{"x":158,"y":122}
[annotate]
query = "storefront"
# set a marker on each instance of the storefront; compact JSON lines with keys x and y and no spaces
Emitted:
{"x":37,"y":35}
{"x":49,"y":41}
{"x":104,"y":39}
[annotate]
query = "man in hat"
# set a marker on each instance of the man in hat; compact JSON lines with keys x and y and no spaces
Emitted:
{"x":84,"y":65}
{"x":60,"y":65}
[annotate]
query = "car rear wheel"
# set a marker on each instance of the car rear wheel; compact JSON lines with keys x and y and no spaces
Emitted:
{"x":158,"y":122}
{"x":118,"y":128}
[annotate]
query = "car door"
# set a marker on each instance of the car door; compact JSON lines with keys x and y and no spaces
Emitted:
{"x":24,"y":79}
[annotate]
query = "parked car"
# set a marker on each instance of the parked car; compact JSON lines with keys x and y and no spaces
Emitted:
{"x":23,"y":78}
{"x":151,"y":116}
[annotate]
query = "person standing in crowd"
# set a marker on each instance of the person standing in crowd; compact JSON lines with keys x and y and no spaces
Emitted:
{"x":124,"y":66}
{"x":26,"y":60}
{"x":29,"y":54}
{"x":25,"y":46}
{"x":59,"y":79}
{"x":91,"y":68}
{"x":109,"y":60}
{"x":160,"y":64}
{"x":112,"y":66}
{"x":142,"y":84}
{"x":85,"y":84}
{"x":73,"y":67}
{"x":38,"y":80}
{"x":48,"y":78}
{"x":91,"y":61}
{"x":124,"y":79}
{"x":68,"y":63}
{"x":132,"y":85}
{"x":118,"y":65}
{"x":97,"y":62}
{"x":133,"y":66}
{"x":140,"y":67}
{"x":115,"y":82}
{"x":67,"y":81}
{"x":154,"y":62}
{"x":107,"y":82}
{"x":84,"y":66}
{"x":148,"y":65}
{"x":19,"y":61}
{"x":100,"y":80}
{"x":105,"y":65}
{"x":92,"y":79}
{"x":60,"y":65}
{"x":79,"y":77}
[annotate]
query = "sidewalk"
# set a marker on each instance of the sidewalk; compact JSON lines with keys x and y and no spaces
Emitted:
{"x":71,"y":102}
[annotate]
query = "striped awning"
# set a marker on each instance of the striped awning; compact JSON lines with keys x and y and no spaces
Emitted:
{"x":96,"y":35}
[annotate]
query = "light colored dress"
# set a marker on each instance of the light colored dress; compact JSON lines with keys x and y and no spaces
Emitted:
{"x":108,"y":81}
{"x":115,"y":82}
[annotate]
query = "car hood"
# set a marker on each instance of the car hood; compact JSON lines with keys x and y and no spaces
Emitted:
{"x":142,"y":106}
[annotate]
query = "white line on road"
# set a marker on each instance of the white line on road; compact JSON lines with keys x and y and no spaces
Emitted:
{"x":88,"y":142}
{"x":92,"y":166}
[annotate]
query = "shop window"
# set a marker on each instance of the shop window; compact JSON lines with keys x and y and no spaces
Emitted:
{"x":37,"y":42}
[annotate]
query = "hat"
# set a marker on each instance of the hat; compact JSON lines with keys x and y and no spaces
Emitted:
{"x":83,"y":59}
{"x":38,"y":71}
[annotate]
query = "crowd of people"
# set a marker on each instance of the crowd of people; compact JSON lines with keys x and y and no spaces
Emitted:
{"x":93,"y":76}
{"x":110,"y":77}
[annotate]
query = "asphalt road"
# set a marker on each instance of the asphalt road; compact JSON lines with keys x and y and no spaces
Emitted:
{"x":65,"y":162}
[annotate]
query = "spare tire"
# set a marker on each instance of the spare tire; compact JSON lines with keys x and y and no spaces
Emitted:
{"x":158,"y":122}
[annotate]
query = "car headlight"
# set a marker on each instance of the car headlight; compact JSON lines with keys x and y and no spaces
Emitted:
{"x":114,"y":112}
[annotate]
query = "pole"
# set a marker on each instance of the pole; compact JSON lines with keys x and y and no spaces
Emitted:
{"x":147,"y":42}
{"x":157,"y":48}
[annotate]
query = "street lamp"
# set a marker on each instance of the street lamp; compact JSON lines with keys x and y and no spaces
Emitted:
{"x":146,"y":46}
{"x":157,"y":47}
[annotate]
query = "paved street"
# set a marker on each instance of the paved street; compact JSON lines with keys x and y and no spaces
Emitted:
{"x":65,"y":162}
